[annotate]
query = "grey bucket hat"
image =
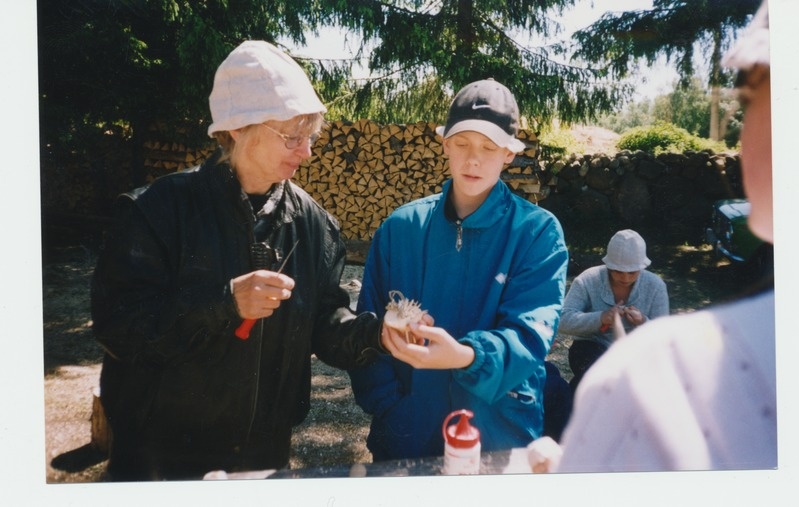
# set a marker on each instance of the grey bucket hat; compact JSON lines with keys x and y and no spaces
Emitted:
{"x":626,"y":252}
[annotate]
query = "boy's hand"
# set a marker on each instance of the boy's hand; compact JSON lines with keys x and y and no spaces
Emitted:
{"x":429,"y":348}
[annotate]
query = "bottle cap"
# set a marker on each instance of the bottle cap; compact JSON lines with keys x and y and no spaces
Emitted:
{"x":463,"y":434}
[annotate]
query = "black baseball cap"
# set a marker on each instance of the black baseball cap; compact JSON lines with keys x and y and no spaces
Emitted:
{"x":487,"y":107}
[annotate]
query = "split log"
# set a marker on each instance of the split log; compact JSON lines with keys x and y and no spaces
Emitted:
{"x":101,"y":431}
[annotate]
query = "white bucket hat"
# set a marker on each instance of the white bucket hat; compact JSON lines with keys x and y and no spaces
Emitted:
{"x":626,"y":252}
{"x":258,"y":82}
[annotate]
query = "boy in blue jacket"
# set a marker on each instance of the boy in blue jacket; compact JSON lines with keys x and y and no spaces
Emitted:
{"x":490,"y":270}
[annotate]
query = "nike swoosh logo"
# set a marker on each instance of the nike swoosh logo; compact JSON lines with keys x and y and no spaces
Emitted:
{"x":480,"y":106}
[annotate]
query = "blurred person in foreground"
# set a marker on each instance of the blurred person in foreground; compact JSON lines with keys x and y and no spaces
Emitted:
{"x":695,"y":391}
{"x":621,"y":285}
{"x":195,"y":254}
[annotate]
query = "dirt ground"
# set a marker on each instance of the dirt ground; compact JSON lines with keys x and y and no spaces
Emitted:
{"x":336,"y":429}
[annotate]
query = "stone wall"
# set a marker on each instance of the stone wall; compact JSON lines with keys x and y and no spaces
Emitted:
{"x":672,"y":191}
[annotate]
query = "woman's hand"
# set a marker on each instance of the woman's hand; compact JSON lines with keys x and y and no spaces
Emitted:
{"x":607,"y":317}
{"x":634,"y":315}
{"x":259,"y":293}
{"x":429,"y":348}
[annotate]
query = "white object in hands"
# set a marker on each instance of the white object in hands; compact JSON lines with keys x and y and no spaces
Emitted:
{"x":401,"y":312}
{"x":618,"y":328}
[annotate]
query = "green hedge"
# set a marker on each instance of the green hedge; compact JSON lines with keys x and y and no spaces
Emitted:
{"x":559,"y":142}
{"x":665,"y":137}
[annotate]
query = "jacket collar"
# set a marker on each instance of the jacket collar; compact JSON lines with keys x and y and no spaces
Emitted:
{"x":489,"y":213}
{"x":282,"y":204}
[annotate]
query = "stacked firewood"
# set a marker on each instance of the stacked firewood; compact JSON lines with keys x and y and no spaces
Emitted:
{"x":361,"y":171}
{"x":164,"y":157}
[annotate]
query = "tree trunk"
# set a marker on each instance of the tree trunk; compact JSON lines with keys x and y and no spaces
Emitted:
{"x":466,"y":36}
{"x":725,"y":121}
{"x":714,"y":113}
{"x":465,"y":23}
{"x":715,"y":83}
{"x":139,"y":125}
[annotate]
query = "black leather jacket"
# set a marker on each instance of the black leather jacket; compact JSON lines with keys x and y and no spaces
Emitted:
{"x":180,"y":390}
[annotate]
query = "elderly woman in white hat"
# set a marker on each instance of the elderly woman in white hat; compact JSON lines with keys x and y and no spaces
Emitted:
{"x":218,"y":284}
{"x":621,"y":286}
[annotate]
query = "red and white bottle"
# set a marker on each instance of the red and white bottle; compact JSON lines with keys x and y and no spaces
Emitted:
{"x":461,"y":445}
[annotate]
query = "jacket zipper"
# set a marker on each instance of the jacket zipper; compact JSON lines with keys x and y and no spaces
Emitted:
{"x":260,"y":331}
{"x":260,"y":327}
{"x":459,"y":238}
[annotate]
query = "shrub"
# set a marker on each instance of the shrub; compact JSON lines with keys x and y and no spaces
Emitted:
{"x":665,"y":137}
{"x":559,"y":142}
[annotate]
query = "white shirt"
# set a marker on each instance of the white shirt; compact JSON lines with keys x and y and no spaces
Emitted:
{"x":688,"y":392}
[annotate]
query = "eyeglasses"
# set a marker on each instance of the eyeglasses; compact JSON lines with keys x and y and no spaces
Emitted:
{"x":292,"y":142}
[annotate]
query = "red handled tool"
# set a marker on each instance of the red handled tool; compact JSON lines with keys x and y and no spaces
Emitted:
{"x":243,"y":331}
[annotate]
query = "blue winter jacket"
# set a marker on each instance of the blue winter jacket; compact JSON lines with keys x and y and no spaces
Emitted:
{"x":495,"y":281}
